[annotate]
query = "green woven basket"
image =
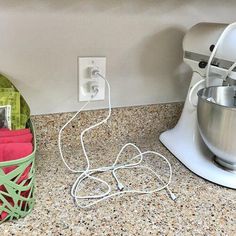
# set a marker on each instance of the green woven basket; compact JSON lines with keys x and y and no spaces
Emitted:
{"x":17,"y":199}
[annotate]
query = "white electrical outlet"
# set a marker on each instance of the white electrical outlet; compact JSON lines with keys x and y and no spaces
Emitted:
{"x":87,"y":81}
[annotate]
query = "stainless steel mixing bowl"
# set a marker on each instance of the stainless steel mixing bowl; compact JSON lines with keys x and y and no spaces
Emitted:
{"x":216,"y":112}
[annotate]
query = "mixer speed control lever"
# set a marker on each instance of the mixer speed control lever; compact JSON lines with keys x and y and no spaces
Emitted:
{"x":202,"y":64}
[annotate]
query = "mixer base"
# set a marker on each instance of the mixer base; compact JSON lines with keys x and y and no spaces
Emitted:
{"x":184,"y":142}
{"x":196,"y":160}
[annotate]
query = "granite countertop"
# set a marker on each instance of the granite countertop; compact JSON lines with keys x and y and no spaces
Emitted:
{"x":202,"y":208}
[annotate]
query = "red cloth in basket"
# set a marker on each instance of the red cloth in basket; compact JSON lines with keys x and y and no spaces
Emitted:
{"x":25,"y":138}
{"x":15,"y":145}
{"x":7,"y":132}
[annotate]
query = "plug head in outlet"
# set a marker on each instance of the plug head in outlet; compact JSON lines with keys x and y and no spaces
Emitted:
{"x":87,"y":78}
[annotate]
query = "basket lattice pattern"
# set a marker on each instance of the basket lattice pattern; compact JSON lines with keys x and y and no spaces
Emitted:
{"x":17,"y":177}
{"x":16,"y":188}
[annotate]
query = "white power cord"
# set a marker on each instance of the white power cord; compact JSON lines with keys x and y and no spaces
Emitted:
{"x":88,"y":173}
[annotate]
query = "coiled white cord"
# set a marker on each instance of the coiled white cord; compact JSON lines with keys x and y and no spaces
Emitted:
{"x":88,"y":173}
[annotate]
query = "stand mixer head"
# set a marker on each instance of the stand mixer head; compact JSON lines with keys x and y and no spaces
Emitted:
{"x":210,"y":50}
{"x":216,"y":110}
{"x":198,"y":46}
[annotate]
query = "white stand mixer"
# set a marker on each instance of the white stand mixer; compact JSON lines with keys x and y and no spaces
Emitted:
{"x":184,"y":140}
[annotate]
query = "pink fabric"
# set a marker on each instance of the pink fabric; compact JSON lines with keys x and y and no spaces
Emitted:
{"x":14,"y":151}
{"x":26,"y":138}
{"x":15,"y":145}
{"x":10,"y":133}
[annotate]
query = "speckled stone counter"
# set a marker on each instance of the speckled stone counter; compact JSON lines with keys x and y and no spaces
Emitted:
{"x":201,"y":208}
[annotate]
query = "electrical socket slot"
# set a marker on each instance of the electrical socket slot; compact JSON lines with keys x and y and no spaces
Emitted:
{"x":91,"y":86}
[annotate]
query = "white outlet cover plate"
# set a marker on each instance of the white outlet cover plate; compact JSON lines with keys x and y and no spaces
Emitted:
{"x":84,"y":79}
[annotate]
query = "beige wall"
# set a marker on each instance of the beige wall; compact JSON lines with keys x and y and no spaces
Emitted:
{"x":142,"y":40}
